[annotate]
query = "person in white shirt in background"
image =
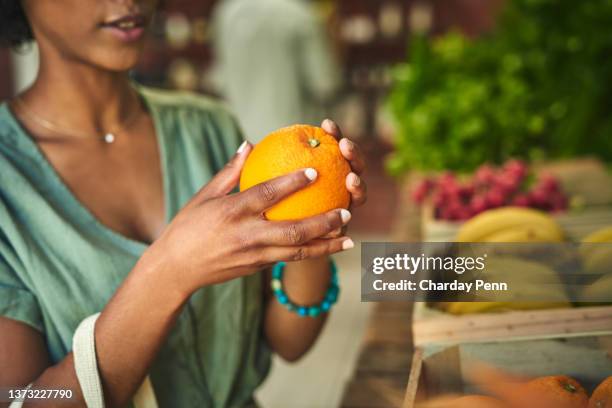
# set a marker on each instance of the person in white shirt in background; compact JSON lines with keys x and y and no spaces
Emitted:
{"x":274,"y":62}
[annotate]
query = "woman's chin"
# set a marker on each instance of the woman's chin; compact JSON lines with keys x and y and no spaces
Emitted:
{"x":119,"y":62}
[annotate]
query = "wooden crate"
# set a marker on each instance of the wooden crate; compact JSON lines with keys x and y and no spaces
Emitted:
{"x":433,"y":326}
{"x":441,"y":370}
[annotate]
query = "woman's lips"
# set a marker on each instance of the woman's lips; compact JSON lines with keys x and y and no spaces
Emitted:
{"x":127,"y":28}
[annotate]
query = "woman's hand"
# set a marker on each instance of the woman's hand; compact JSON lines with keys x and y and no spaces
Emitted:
{"x":306,"y":282}
{"x":354,"y":182}
{"x":219,"y":236}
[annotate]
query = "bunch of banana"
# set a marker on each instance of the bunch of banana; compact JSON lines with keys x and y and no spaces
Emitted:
{"x":597,"y":293}
{"x":596,"y":254}
{"x":511,"y":224}
{"x":528,"y":281}
{"x":462,"y":308}
{"x":602,"y":235}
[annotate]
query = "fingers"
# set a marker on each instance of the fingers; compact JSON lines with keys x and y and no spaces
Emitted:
{"x":352,"y":153}
{"x":350,"y":150}
{"x":225,"y":180}
{"x":292,"y":233}
{"x":357,"y":188}
{"x":332,"y":128}
{"x":314,"y":249}
{"x":334,"y":234}
{"x":259,"y":198}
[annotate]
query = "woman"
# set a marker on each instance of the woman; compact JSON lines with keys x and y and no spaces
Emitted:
{"x":117,"y":199}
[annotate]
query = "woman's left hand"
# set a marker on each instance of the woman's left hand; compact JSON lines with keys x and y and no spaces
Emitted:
{"x":351,"y":152}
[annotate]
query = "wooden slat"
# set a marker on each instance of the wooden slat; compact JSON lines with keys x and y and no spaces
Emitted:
{"x":415,"y":380}
{"x":441,"y":327}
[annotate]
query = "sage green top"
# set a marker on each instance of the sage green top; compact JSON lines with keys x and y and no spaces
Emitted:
{"x":59,"y":264}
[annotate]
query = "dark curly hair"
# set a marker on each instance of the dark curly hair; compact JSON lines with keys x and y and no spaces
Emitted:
{"x":14,"y":26}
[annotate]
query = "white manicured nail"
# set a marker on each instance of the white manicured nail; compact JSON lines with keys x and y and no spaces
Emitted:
{"x":242,"y":147}
{"x":356,"y":180}
{"x":311,"y":174}
{"x":349,"y":145}
{"x":348,"y":244}
{"x":345,"y":215}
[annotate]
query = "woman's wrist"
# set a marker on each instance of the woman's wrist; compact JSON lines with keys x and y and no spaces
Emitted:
{"x":306,"y":282}
{"x":156,"y":266}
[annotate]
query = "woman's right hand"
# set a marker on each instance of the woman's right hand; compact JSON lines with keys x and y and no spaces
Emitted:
{"x":220,"y":236}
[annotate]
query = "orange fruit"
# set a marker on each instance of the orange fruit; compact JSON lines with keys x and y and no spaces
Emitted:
{"x":602,"y":396}
{"x":477,"y":401}
{"x":294,"y":148}
{"x":558,"y":391}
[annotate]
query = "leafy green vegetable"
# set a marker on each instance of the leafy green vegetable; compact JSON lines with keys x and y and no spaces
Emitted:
{"x":538,"y":86}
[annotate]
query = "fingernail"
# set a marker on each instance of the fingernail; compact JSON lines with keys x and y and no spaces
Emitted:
{"x":242,"y":147}
{"x":348,"y":143}
{"x":327,"y":123}
{"x":356,"y":180}
{"x":311,"y":174}
{"x":345,"y":215}
{"x":347,"y":244}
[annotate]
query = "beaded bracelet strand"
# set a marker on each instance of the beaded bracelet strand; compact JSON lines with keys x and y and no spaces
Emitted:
{"x":331,"y":296}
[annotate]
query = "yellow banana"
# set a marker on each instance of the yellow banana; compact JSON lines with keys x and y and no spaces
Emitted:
{"x":524,"y":233}
{"x":602,"y":235}
{"x":598,"y":259}
{"x":520,"y":271}
{"x":597,"y":293}
{"x":462,"y":308}
{"x":490,"y":222}
{"x":591,"y":242}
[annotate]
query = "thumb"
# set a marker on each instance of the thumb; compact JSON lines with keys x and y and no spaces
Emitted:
{"x":226,"y":179}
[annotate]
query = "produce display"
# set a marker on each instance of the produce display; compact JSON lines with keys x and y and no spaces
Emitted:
{"x":512,"y":184}
{"x":511,"y":224}
{"x":602,"y":396}
{"x":602,"y":235}
{"x":597,"y":266}
{"x":556,"y":391}
{"x":294,"y":148}
{"x":597,"y":259}
{"x":515,"y":225}
{"x":466,"y":308}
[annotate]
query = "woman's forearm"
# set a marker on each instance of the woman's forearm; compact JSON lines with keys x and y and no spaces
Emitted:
{"x":129,"y":332}
{"x":306,"y":283}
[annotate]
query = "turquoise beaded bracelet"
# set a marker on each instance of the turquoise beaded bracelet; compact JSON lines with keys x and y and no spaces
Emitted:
{"x":331,"y":296}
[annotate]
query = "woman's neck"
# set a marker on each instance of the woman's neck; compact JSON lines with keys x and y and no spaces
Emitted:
{"x":85,"y":98}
